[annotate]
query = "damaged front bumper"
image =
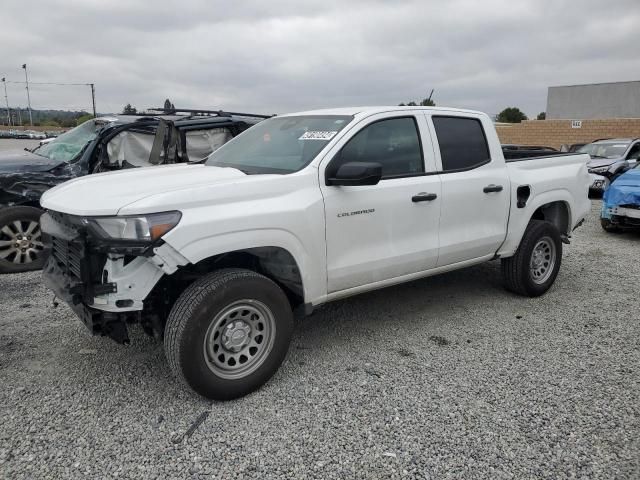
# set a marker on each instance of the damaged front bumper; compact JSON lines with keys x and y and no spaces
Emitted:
{"x":623,"y":216}
{"x":104,"y":283}
{"x":97,"y":321}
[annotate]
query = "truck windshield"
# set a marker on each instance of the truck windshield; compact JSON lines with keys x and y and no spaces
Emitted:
{"x":605,"y":150}
{"x":279,"y":145}
{"x":67,"y":146}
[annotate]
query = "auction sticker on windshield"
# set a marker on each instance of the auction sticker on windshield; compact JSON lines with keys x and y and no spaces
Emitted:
{"x":320,"y":135}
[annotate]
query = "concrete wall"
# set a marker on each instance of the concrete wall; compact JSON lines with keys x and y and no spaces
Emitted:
{"x":599,"y":100}
{"x":554,"y":133}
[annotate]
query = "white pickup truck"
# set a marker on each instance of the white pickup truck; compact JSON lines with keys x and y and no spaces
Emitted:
{"x":297,"y":211}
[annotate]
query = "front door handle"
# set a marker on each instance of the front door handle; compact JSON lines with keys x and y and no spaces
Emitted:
{"x":424,"y":197}
{"x":492,"y":188}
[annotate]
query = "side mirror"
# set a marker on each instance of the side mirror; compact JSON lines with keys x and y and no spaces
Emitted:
{"x":356,"y":173}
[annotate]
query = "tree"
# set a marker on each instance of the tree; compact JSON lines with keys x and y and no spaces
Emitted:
{"x":511,"y":115}
{"x":542,"y":116}
{"x":84,"y":118}
{"x":168,"y":105}
{"x":49,"y":123}
{"x":426,"y":102}
{"x":129,"y":110}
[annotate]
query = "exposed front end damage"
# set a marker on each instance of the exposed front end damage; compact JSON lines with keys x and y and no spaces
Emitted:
{"x":107,"y":284}
{"x":621,"y":201}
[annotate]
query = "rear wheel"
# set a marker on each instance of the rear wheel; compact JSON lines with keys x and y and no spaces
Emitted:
{"x":21,"y":247}
{"x":228,"y":333}
{"x":534,"y":267}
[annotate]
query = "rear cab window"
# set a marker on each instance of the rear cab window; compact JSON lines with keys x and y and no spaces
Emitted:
{"x":462,"y":141}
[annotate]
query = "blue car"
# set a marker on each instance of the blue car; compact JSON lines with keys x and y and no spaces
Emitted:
{"x":621,"y":202}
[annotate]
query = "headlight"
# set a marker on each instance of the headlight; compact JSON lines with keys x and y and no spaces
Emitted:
{"x":143,"y":228}
{"x":599,"y":170}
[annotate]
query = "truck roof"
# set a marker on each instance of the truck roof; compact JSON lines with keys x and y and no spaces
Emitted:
{"x":371,"y":110}
{"x":177,"y":119}
{"x":615,"y":140}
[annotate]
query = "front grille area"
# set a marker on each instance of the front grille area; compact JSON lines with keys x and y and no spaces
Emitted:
{"x":68,"y":256}
{"x":73,"y":265}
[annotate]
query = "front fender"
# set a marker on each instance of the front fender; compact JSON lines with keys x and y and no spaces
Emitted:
{"x":310,"y":265}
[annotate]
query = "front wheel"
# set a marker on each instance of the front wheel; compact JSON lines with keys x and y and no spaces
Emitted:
{"x":21,"y":247}
{"x":535,"y":265}
{"x":228,"y":333}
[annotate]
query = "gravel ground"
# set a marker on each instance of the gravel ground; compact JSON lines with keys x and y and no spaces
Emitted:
{"x":447,"y":377}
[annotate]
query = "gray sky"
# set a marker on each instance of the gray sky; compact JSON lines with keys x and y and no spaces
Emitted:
{"x":278,"y":56}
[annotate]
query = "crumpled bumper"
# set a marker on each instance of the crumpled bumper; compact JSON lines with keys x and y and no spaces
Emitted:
{"x":67,"y":289}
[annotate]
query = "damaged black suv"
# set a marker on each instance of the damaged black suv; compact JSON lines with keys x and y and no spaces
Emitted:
{"x":102,"y":144}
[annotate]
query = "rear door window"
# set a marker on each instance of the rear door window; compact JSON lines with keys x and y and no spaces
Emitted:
{"x":463,"y":144}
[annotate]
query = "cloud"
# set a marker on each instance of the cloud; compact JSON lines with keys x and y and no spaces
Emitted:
{"x":281,"y":56}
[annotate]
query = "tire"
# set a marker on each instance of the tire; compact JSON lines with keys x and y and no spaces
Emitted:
{"x":535,"y":265}
{"x":218,"y":320}
{"x":21,"y":247}
{"x":607,"y":226}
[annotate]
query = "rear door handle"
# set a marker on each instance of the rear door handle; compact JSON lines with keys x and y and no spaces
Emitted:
{"x":424,"y":197}
{"x":492,"y":188}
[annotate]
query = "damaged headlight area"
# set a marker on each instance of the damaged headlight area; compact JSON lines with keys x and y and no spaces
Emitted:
{"x":147,"y":228}
{"x":599,"y":169}
{"x":129,"y":235}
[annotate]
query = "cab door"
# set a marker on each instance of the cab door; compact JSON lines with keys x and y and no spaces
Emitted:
{"x":475,"y":187}
{"x":383,"y":231}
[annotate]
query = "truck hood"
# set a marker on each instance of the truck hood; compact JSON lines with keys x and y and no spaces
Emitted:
{"x":603,"y":162}
{"x":108,"y":193}
{"x":23,"y":161}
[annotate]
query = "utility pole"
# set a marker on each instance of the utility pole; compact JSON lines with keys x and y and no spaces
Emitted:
{"x":93,"y":98}
{"x":24,"y":65}
{"x":4,"y":80}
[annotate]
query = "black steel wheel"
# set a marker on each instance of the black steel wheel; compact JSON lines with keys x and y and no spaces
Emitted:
{"x":228,"y":333}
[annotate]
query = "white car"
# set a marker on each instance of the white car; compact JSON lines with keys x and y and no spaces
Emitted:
{"x":297,"y":211}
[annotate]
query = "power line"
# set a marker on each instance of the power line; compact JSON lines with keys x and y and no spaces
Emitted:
{"x":59,"y":84}
{"x":52,"y":83}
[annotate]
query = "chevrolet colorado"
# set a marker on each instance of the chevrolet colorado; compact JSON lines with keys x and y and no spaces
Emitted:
{"x":300,"y":210}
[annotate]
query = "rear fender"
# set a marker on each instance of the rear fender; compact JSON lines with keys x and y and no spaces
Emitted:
{"x":519,"y":218}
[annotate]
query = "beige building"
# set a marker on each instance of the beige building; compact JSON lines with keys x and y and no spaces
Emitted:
{"x":555,"y":133}
{"x":581,"y":114}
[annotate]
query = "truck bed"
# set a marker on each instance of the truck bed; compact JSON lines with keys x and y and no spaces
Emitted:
{"x":520,"y":155}
{"x":538,"y":180}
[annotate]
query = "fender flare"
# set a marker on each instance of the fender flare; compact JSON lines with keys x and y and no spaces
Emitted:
{"x":313,"y":277}
{"x":519,"y":219}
